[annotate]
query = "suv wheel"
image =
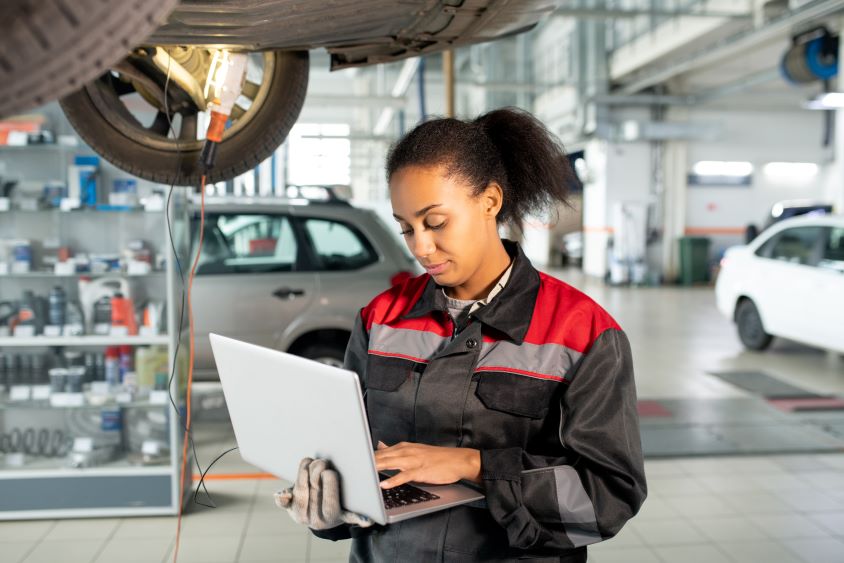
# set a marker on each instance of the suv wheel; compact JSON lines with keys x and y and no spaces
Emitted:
{"x":114,"y":115}
{"x":750,"y":329}
{"x":325,"y":354}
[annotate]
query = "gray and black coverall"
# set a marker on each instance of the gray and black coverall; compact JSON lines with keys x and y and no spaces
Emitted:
{"x":540,"y":380}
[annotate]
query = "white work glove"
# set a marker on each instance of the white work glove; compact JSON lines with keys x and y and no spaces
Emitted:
{"x":314,"y":500}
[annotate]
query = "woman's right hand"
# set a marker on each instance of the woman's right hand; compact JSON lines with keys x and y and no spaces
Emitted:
{"x":314,"y":500}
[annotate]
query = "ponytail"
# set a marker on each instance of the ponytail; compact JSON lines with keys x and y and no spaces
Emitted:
{"x":508,"y":146}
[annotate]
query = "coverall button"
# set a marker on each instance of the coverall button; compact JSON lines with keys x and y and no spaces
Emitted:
{"x":471,"y":343}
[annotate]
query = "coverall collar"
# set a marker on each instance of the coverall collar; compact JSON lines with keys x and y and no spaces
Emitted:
{"x":509,"y":312}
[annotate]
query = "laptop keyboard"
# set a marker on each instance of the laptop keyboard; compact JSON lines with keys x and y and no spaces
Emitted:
{"x":404,"y":495}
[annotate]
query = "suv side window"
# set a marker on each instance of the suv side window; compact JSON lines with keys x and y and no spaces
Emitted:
{"x":338,"y":246}
{"x":833,"y":250}
{"x":797,"y":246}
{"x":247,"y":243}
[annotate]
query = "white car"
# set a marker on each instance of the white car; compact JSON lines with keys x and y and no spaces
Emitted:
{"x":788,"y":282}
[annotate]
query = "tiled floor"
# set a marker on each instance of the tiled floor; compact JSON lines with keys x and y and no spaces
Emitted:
{"x":743,"y":509}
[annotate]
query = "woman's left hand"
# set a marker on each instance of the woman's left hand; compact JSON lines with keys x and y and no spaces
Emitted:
{"x":433,"y":465}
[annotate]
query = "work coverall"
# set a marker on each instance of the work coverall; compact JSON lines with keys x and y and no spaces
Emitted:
{"x":540,"y":380}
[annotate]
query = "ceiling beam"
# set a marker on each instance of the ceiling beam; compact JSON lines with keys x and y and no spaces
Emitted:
{"x":621,"y":13}
{"x":742,"y":42}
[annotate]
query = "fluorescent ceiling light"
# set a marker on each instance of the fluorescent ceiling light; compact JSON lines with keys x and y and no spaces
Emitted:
{"x":383,"y":121}
{"x":791,"y":170}
{"x":722,"y":168}
{"x":829,"y":100}
{"x":406,"y":74}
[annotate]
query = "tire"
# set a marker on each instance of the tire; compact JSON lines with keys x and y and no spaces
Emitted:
{"x":167,"y":161}
{"x":750,"y":329}
{"x":50,"y":48}
{"x":325,"y":353}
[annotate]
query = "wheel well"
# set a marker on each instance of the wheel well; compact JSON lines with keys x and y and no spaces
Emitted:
{"x":739,"y":301}
{"x":331,"y":337}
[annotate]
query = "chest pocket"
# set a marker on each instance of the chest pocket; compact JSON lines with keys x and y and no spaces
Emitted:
{"x":390,"y":390}
{"x":389,"y":373}
{"x":516,"y":394}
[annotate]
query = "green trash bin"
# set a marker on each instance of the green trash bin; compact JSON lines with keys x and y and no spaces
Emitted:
{"x":694,"y":260}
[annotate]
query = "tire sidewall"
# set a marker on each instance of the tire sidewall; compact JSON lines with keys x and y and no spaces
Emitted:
{"x":750,"y":328}
{"x":236,"y":154}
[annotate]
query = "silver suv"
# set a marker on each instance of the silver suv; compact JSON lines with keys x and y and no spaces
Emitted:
{"x":290,"y":274}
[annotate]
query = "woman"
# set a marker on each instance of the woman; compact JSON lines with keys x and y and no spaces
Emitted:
{"x":484,"y":369}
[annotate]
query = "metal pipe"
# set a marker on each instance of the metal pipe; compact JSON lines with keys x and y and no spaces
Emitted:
{"x":420,"y":80}
{"x":743,"y":41}
{"x":448,"y":76}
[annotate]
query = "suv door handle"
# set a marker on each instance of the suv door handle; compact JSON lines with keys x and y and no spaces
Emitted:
{"x":287,"y":293}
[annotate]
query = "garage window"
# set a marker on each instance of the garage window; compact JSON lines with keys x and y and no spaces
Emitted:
{"x":247,"y":243}
{"x":338,"y":247}
{"x":833,"y":252}
{"x":797,"y":246}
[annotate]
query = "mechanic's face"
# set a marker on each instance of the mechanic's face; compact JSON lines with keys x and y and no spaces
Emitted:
{"x":447,"y":229}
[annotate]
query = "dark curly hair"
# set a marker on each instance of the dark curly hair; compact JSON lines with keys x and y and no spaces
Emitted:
{"x":508,"y":146}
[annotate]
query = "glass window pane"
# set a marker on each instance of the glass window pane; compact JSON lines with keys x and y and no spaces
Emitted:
{"x":796,"y":245}
{"x":833,"y":252}
{"x":247,"y":243}
{"x":338,"y":246}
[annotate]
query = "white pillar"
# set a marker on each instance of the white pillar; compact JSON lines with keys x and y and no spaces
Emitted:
{"x":675,"y":167}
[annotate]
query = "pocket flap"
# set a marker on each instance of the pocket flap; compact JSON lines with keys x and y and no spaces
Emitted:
{"x":516,"y":394}
{"x":387,"y":373}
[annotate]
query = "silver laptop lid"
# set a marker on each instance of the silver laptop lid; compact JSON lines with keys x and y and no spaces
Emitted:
{"x":284,"y":408}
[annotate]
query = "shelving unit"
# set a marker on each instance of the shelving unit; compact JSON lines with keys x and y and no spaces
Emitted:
{"x":40,"y":486}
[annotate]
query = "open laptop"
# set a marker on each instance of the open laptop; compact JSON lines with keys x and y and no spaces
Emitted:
{"x":284,"y":408}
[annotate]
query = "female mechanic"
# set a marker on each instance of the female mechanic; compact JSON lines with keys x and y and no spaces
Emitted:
{"x":485,"y":369}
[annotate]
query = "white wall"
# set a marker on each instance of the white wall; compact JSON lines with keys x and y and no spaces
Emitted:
{"x":617,"y":173}
{"x":757,"y":137}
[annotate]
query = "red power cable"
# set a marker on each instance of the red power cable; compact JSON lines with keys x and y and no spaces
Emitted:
{"x":190,"y":369}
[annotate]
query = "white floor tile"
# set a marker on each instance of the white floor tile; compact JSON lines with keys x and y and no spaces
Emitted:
{"x":782,"y":482}
{"x":220,"y":523}
{"x":64,"y":551}
{"x":666,"y":532}
{"x":675,"y":486}
{"x":82,"y":529}
{"x":272,"y":523}
{"x":141,"y":550}
{"x":14,"y":551}
{"x":811,"y":501}
{"x":208,"y":549}
{"x":727,"y":484}
{"x":728,"y":528}
{"x":664,"y":468}
{"x":757,"y":503}
{"x":832,"y":521}
{"x":697,"y":553}
{"x":655,"y":508}
{"x":148,"y":527}
{"x":20,"y":531}
{"x":758,"y":552}
{"x":701,"y":506}
{"x":817,"y":550}
{"x":259,"y":549}
{"x":835,"y":461}
{"x":626,"y":555}
{"x":791,"y":525}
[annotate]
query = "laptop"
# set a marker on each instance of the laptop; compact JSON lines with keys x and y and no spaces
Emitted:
{"x":284,"y":408}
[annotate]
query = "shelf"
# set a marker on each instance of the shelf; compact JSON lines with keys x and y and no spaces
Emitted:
{"x":45,"y":405}
{"x":48,"y":275}
{"x":46,"y":147}
{"x":88,"y":340}
{"x":52,"y":468}
{"x":86,"y":211}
